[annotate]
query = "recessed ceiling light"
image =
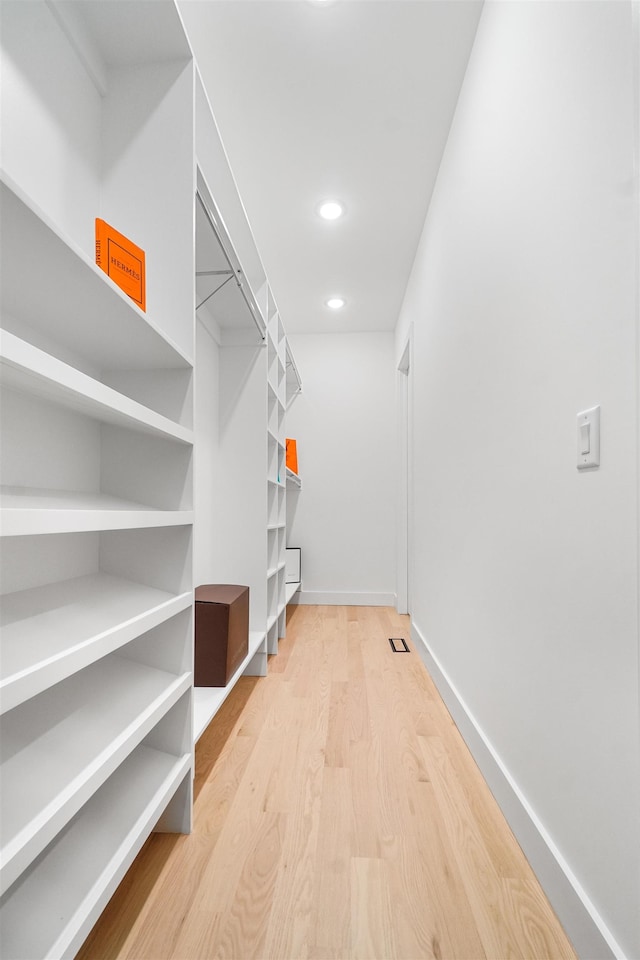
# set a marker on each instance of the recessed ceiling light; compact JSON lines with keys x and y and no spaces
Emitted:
{"x":331,"y":209}
{"x":336,"y":303}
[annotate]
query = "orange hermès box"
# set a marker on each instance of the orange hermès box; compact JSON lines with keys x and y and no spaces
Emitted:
{"x":121,"y":260}
{"x":291,"y":455}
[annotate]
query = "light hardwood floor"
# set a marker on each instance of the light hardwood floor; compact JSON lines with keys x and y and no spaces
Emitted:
{"x":338,"y":815}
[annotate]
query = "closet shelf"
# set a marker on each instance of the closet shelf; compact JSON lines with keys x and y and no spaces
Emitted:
{"x":28,"y":369}
{"x":220,"y":281}
{"x":77,"y":874}
{"x":294,"y":382}
{"x":28,"y":510}
{"x":67,"y":743}
{"x":51,"y":632}
{"x":290,"y":589}
{"x":53,"y":286}
{"x":271,"y":572}
{"x":293,"y":480}
{"x":208,"y":700}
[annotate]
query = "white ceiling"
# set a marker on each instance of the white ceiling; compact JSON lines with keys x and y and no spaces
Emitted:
{"x":349,"y":99}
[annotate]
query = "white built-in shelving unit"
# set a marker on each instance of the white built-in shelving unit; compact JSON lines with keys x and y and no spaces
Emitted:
{"x":232,"y":529}
{"x":242,"y":363}
{"x":127,"y":437}
{"x":97,"y":460}
{"x":276,"y":477}
{"x":293,"y":386}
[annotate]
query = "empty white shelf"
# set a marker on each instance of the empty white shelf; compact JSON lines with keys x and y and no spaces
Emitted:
{"x":26,"y":368}
{"x":289,"y":590}
{"x":231,"y":303}
{"x":74,"y":878}
{"x":293,"y":480}
{"x":294,"y":383}
{"x":50,"y":632}
{"x":50,"y":283}
{"x":208,"y":700}
{"x":27,"y":511}
{"x":59,"y":748}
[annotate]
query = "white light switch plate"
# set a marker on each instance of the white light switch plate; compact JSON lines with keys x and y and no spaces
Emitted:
{"x":588,"y":429}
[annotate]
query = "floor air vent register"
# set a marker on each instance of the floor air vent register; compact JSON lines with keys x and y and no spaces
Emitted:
{"x":399,"y":645}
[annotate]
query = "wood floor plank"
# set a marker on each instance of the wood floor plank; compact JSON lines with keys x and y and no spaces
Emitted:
{"x":237,"y":840}
{"x":505,"y":852}
{"x":288,"y":933}
{"x":480,"y":880}
{"x":372,"y":930}
{"x":257,"y":707}
{"x":159,"y":929}
{"x":501,"y":928}
{"x":436,"y":909}
{"x":537,"y":929}
{"x":199,"y":937}
{"x":358,"y":719}
{"x":338,"y":815}
{"x":244,"y":926}
{"x":337,"y":748}
{"x":330,"y":927}
{"x":218,"y":792}
{"x":389,"y":722}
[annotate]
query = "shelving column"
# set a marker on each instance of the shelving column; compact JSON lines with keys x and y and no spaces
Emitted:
{"x":293,"y":386}
{"x":230,"y":419}
{"x":276,"y":478}
{"x":96,"y":506}
{"x":282,"y":532}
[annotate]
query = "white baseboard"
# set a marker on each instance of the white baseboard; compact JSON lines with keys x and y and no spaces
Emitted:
{"x":584,"y":926}
{"x":338,"y":599}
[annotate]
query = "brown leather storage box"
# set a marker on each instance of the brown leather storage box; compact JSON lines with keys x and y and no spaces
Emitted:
{"x":222,"y":632}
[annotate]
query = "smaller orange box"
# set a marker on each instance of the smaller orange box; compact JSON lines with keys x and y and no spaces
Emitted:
{"x":291,"y":458}
{"x":121,"y":260}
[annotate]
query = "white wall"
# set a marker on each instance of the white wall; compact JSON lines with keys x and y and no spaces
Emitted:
{"x":344,"y":422}
{"x":523,"y":298}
